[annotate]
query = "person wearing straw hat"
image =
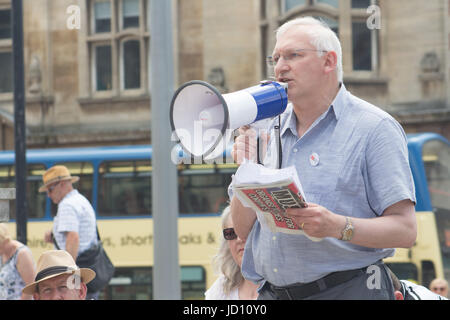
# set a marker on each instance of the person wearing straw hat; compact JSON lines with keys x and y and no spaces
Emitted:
{"x":59,"y":278}
{"x":74,"y":226}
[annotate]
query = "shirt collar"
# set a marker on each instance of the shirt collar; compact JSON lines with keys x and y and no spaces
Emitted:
{"x":69,"y":194}
{"x":336,"y":107}
{"x":339,"y":101}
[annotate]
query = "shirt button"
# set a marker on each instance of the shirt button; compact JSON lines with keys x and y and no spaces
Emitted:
{"x":274,"y":238}
{"x":295,"y":150}
{"x":275,"y":270}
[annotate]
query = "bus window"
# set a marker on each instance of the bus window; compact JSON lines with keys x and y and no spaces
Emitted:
{"x":436,"y":157}
{"x":203,"y":188}
{"x":428,"y":273}
{"x":136,"y":284}
{"x":85,"y":171}
{"x":124,"y":188}
{"x":193,"y":283}
{"x":35,"y":199}
{"x":404,"y":270}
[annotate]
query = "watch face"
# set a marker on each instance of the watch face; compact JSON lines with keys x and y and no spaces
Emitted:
{"x":348,"y":234}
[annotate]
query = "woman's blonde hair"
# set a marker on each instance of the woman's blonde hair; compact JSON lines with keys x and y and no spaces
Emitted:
{"x":4,"y":233}
{"x":223,"y":261}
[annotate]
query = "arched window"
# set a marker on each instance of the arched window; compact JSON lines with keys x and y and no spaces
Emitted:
{"x":118,"y":42}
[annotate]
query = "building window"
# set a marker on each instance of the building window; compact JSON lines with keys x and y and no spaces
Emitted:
{"x":5,"y":24}
{"x":118,"y":42}
{"x":6,"y":58}
{"x":6,"y":81}
{"x":353,"y":33}
{"x":102,"y":17}
{"x":364,"y":40}
{"x":333,"y":3}
{"x":102,"y":65}
{"x":361,"y":4}
{"x":130,"y":14}
{"x":131,"y":64}
{"x":362,"y":46}
{"x":290,"y":4}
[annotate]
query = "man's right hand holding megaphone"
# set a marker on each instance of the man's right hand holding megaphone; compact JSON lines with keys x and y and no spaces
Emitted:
{"x":249,"y":144}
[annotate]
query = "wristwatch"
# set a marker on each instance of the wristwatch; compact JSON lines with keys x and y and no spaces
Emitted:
{"x":347,"y":232}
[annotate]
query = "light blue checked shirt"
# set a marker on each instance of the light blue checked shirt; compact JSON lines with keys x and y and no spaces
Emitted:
{"x":75,"y":213}
{"x":360,"y":167}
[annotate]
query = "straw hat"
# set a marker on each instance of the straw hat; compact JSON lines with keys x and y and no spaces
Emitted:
{"x":55,"y":174}
{"x":53,"y":263}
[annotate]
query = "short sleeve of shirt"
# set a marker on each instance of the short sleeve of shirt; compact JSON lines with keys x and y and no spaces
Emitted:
{"x":67,"y":218}
{"x":387,"y":173}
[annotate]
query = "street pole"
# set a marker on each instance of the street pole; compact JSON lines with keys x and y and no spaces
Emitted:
{"x":166,"y":268}
{"x":19,"y":121}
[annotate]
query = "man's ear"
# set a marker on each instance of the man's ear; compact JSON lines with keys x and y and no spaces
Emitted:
{"x":83,"y":291}
{"x":330,"y":61}
{"x":398,"y":295}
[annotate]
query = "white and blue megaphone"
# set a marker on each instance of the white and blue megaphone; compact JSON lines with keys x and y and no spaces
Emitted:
{"x":203,"y":119}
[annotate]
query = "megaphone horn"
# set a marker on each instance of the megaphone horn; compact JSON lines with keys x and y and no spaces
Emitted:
{"x":202,"y":119}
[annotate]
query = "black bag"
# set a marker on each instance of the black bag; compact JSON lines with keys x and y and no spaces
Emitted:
{"x":95,"y":258}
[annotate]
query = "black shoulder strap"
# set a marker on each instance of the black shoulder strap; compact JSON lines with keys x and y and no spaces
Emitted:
{"x":98,"y":234}
{"x":55,"y":243}
{"x":58,"y":248}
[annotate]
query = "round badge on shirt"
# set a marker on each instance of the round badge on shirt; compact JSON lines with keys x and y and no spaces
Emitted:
{"x":314,"y":159}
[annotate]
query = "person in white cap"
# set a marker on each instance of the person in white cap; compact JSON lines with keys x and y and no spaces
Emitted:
{"x":74,"y":226}
{"x":59,"y":278}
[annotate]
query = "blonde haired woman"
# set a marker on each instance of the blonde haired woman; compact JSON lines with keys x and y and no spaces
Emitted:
{"x":230,"y":285}
{"x":17,"y":268}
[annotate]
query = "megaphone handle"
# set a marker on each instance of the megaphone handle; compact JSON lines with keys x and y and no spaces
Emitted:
{"x":278,"y":143}
{"x":258,"y":146}
{"x":280,"y":151}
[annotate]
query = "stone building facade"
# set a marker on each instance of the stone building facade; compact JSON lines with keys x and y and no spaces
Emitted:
{"x":87,"y":61}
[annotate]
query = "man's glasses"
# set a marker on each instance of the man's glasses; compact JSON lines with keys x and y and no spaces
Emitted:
{"x":229,"y":234}
{"x":288,"y":56}
{"x":438,"y":288}
{"x":51,"y":188}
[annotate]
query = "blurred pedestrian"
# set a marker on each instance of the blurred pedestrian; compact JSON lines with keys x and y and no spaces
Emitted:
{"x":59,"y":278}
{"x":439,"y":286}
{"x":407,"y":290}
{"x":17,"y":267}
{"x":230,"y":284}
{"x":74,"y":226}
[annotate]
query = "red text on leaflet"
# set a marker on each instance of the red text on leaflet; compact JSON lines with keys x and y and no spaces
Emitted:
{"x":265,"y":203}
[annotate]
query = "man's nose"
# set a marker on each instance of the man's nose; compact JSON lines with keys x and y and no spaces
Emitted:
{"x":281,"y":66}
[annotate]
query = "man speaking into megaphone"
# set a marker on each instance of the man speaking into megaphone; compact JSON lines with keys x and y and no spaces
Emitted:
{"x":352,"y":161}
